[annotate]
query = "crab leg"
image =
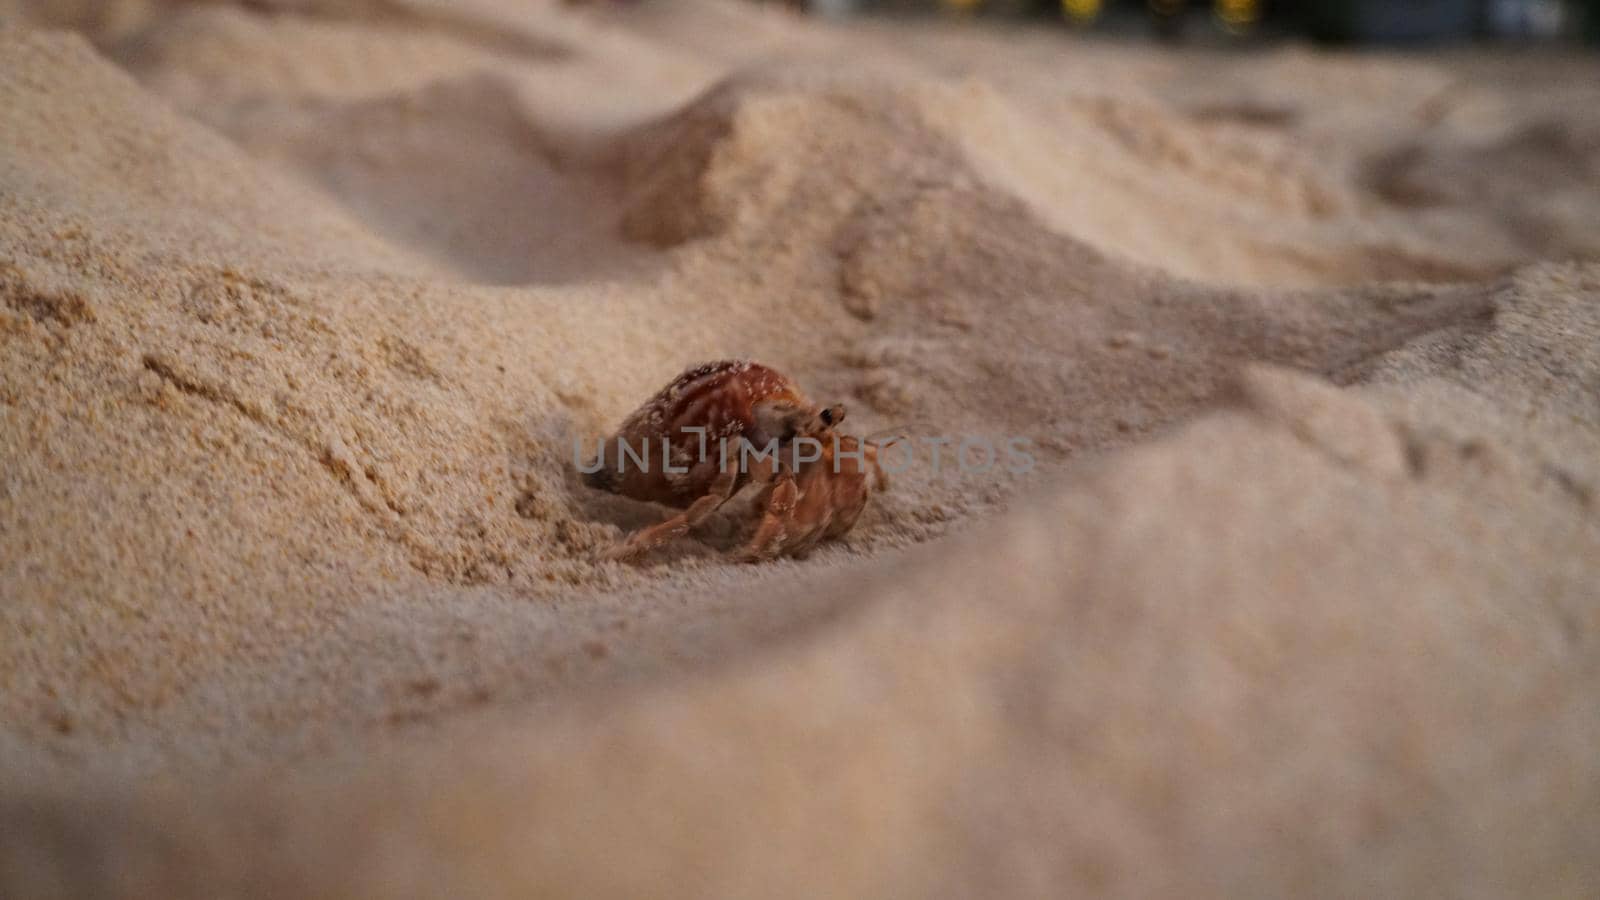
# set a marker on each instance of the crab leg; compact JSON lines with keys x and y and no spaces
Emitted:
{"x":642,"y":542}
{"x":767,"y":542}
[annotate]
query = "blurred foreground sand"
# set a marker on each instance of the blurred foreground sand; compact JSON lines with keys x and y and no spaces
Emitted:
{"x":303,"y":304}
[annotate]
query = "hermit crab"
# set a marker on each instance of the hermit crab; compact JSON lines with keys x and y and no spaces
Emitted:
{"x":721,"y":427}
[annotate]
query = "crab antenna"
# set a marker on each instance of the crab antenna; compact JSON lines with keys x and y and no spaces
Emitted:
{"x":884,"y":437}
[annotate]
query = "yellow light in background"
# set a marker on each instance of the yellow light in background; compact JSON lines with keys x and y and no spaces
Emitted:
{"x":1081,"y":10}
{"x":960,"y":5}
{"x":1238,"y":15}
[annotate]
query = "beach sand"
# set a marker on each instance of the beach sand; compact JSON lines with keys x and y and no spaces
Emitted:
{"x":304,"y":304}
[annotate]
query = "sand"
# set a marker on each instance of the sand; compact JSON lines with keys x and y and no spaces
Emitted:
{"x":305,"y":304}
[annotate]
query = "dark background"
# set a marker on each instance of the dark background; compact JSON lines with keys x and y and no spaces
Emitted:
{"x":1335,"y":21}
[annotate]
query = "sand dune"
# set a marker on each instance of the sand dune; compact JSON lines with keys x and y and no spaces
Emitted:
{"x":305,"y":304}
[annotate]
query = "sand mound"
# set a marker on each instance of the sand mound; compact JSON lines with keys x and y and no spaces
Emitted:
{"x":1537,"y":183}
{"x":299,"y":324}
